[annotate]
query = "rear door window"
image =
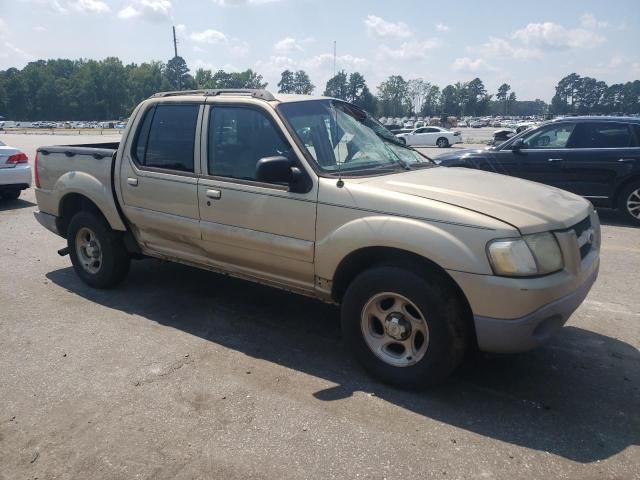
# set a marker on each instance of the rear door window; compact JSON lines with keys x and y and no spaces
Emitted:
{"x":603,"y":135}
{"x":166,"y":137}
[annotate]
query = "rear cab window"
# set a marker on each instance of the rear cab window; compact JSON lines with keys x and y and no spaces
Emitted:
{"x":166,"y":137}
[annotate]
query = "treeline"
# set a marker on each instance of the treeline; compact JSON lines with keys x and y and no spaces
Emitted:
{"x":586,"y":95}
{"x":108,"y":90}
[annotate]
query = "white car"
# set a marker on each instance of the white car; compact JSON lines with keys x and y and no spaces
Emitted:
{"x":431,"y":136}
{"x":15,"y":172}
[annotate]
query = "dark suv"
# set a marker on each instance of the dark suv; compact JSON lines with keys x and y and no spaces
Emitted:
{"x":596,"y":157}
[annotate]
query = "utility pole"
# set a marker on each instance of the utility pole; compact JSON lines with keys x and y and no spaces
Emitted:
{"x":175,"y":43}
{"x":175,"y":54}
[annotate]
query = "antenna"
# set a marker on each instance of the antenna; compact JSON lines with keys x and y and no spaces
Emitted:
{"x":334,"y":58}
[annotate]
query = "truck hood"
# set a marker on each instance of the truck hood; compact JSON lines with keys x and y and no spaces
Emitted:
{"x":528,"y":206}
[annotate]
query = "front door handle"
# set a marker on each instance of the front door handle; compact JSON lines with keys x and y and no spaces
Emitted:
{"x":555,"y":160}
{"x":214,"y":194}
{"x":132,"y":181}
{"x":626,"y":160}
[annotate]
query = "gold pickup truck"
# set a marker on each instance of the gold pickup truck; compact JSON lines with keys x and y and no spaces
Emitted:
{"x":315,"y":196}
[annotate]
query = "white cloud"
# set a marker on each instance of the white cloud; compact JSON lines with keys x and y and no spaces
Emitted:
{"x":11,"y":48}
{"x":553,"y":36}
{"x":379,"y":27}
{"x":287,"y":45}
{"x":240,"y":3}
{"x":441,"y":27}
{"x":588,"y":20}
{"x":152,"y":10}
{"x":409,"y":50}
{"x":346,"y":62}
{"x":39,"y":28}
{"x":499,"y":47}
{"x":90,"y":6}
{"x":128,"y":12}
{"x":234,"y":46}
{"x":209,"y":36}
{"x":466,"y":64}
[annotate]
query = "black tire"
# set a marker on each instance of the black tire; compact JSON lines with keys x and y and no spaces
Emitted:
{"x":115,"y":259}
{"x":630,"y":193}
{"x":444,"y":315}
{"x":11,"y":194}
{"x":442,"y":142}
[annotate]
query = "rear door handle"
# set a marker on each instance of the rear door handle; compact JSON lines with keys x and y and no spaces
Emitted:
{"x":555,"y":160}
{"x":132,"y":181}
{"x":214,"y":194}
{"x":626,"y":160}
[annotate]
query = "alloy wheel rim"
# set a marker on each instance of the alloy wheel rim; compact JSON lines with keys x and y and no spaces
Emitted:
{"x":395,"y":329}
{"x":633,"y":204}
{"x":89,"y":250}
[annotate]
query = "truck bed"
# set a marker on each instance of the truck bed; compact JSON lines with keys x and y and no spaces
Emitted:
{"x":86,"y":169}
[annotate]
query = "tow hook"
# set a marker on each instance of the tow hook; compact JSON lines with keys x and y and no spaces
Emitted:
{"x":63,"y":251}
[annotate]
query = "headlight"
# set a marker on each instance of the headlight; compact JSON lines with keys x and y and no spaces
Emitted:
{"x":536,"y":254}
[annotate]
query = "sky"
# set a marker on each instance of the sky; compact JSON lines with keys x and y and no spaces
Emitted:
{"x":530,"y":45}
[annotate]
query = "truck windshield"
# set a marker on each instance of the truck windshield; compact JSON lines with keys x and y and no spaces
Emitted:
{"x":341,"y":136}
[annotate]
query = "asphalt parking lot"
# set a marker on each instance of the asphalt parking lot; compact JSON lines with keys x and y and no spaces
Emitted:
{"x":181,"y":373}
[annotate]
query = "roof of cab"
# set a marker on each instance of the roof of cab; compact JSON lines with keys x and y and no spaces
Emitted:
{"x":260,"y":94}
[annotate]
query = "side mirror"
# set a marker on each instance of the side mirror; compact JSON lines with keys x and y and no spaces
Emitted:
{"x":278,"y":169}
{"x":517,"y":145}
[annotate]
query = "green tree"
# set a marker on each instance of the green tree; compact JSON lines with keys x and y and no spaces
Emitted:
{"x":177,"y":72}
{"x":431,"y":103}
{"x":286,"y":83}
{"x":337,"y":86}
{"x":302,"y":83}
{"x":503,"y":92}
{"x":394,"y":97}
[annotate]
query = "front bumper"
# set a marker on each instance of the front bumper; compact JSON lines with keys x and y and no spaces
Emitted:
{"x":532,"y":330}
{"x":18,"y":176}
{"x":518,"y":314}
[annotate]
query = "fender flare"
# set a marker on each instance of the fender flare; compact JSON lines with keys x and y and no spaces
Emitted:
{"x":88,"y":186}
{"x":431,"y":241}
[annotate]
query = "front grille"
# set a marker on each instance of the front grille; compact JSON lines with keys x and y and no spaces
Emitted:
{"x":580,"y":228}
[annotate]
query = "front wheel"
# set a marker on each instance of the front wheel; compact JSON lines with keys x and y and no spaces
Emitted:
{"x":402,"y":141}
{"x":629,"y":203}
{"x":442,"y":142}
{"x":98,"y":254}
{"x":406,"y":330}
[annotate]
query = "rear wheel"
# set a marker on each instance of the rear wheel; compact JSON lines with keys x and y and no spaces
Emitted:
{"x":629,"y":202}
{"x":406,"y":330}
{"x":442,"y":142}
{"x":11,"y":194}
{"x":98,"y":254}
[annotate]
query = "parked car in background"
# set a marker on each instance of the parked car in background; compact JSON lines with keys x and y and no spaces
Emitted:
{"x":596,"y":157}
{"x":15,"y":172}
{"x":431,"y":136}
{"x":426,"y":262}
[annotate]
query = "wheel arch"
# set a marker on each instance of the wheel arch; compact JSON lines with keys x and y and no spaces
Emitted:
{"x":365,"y":258}
{"x":624,"y":184}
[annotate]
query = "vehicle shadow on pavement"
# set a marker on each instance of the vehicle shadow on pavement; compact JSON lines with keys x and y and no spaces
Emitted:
{"x":578,"y":397}
{"x":15,"y":204}
{"x":614,"y":218}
